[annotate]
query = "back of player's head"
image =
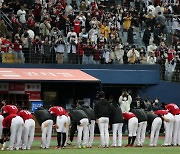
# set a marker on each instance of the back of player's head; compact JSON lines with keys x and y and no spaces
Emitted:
{"x":101,"y":94}
{"x":80,"y":102}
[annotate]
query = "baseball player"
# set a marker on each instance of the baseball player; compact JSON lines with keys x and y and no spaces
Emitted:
{"x":91,"y":116}
{"x":79,"y":117}
{"x":28,"y":130}
{"x":116,"y":119}
{"x":61,"y":124}
{"x":9,"y":109}
{"x":132,"y":127}
{"x":174,"y":109}
{"x":1,"y":127}
{"x":142,"y":124}
{"x":154,"y":124}
{"x":168,"y":125}
{"x":15,"y":123}
{"x":102,"y":112}
{"x":45,"y":121}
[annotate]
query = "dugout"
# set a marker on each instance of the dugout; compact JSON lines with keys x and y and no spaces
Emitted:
{"x":29,"y":88}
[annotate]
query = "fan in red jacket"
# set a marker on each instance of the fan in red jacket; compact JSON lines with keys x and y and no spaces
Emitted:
{"x":132,"y":127}
{"x":15,"y":123}
{"x":168,"y":124}
{"x":174,"y":109}
{"x":28,"y":130}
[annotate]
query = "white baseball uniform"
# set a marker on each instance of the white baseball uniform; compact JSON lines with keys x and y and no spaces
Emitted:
{"x":1,"y":127}
{"x":155,"y":128}
{"x":28,"y":133}
{"x":117,"y":129}
{"x":91,"y":133}
{"x":82,"y":128}
{"x":103,"y":123}
{"x":46,"y":128}
{"x":132,"y":126}
{"x":62,"y":123}
{"x":16,"y":132}
{"x":168,"y":129}
{"x":141,"y":133}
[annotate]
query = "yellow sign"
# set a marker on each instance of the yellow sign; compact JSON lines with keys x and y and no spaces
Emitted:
{"x":9,"y":58}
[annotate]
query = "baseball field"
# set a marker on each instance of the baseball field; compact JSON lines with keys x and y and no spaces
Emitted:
{"x":70,"y":149}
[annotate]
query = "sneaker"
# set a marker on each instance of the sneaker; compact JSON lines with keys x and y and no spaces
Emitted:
{"x":84,"y":147}
{"x":78,"y":147}
{"x":57,"y":147}
{"x":106,"y":146}
{"x":113,"y":145}
{"x":131,"y":145}
{"x":164,"y":145}
{"x":69,"y":143}
{"x":101,"y":146}
{"x":127,"y":145}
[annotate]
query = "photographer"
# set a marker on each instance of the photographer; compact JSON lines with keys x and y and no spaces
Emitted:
{"x":59,"y":49}
{"x":151,"y":59}
{"x":71,"y":46}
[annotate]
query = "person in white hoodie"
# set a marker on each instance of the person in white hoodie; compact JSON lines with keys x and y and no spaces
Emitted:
{"x":125,"y":101}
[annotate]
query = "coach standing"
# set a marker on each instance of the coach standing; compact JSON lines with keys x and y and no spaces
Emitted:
{"x":116,"y":119}
{"x":102,"y":112}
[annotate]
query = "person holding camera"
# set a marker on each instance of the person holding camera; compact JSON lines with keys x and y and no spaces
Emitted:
{"x":45,"y":27}
{"x":59,"y":49}
{"x":71,"y":46}
{"x":151,"y":59}
{"x":133,"y":55}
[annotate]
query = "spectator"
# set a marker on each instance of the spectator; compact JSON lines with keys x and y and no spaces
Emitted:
{"x":125,"y":101}
{"x":151,"y":59}
{"x":133,"y":55}
{"x":59,"y":49}
{"x":71,"y":46}
{"x":3,"y":28}
{"x":127,"y":21}
{"x":17,"y":47}
{"x":45,"y":28}
{"x":25,"y":46}
{"x":37,"y":50}
{"x":46,"y":50}
{"x":22,"y":17}
{"x":147,"y":36}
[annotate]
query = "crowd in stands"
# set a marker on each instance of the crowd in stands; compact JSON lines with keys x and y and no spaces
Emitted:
{"x":92,"y":32}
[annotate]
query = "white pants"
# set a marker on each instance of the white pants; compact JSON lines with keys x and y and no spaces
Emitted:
{"x":117,"y":130}
{"x":103,"y":123}
{"x":91,"y":132}
{"x":168,"y":129}
{"x":46,"y":129}
{"x":28,"y":133}
{"x":16,"y":132}
{"x":132,"y":126}
{"x":155,"y":128}
{"x":176,"y":130}
{"x":62,"y":123}
{"x":141,"y":133}
{"x":82,"y":128}
{"x":1,"y":127}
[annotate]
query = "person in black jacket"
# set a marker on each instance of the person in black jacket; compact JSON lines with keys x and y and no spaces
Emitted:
{"x":116,"y":119}
{"x":142,"y":124}
{"x":45,"y":121}
{"x":91,"y":116}
{"x":79,"y":117}
{"x":102,"y":112}
{"x":154,"y":125}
